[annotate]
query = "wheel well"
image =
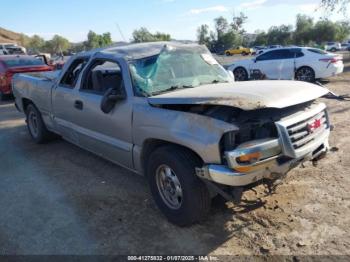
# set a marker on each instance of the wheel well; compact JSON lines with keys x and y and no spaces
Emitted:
{"x":26,"y":102}
{"x":150,"y":145}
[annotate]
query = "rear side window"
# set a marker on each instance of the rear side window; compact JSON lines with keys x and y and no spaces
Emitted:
{"x":71,"y":76}
{"x":16,"y":62}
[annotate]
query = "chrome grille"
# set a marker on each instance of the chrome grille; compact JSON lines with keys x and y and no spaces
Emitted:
{"x":300,"y":133}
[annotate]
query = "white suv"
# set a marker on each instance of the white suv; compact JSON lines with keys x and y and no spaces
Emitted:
{"x":333,"y":46}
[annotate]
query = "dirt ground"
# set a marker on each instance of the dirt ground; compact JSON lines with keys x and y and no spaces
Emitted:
{"x":59,"y":199}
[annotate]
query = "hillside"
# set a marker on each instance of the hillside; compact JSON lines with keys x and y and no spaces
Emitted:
{"x":7,"y":36}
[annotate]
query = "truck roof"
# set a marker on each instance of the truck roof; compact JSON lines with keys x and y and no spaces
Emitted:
{"x":141,"y":50}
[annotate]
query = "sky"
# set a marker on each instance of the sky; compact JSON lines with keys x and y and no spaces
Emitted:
{"x":180,"y":18}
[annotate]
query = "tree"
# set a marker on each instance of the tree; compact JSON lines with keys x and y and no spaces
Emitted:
{"x":335,"y":5}
{"x":261,"y":39}
{"x":96,"y":41}
{"x":281,"y":35}
{"x":303,"y":30}
{"x":343,"y":31}
{"x":57,"y":45}
{"x":238,"y":22}
{"x":36,"y":43}
{"x":324,"y":30}
{"x":221,"y":26}
{"x":143,"y":35}
{"x":158,"y":36}
{"x":203,"y":35}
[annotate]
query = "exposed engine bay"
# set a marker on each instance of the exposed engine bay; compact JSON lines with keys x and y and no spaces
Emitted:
{"x":253,"y":124}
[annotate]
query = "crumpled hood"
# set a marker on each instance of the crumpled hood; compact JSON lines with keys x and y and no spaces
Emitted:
{"x":248,"y":95}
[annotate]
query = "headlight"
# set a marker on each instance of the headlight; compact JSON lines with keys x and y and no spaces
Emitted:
{"x":251,"y":155}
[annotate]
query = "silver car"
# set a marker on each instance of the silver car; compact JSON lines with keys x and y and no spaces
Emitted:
{"x":171,"y":112}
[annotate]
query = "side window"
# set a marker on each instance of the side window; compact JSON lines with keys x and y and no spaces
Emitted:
{"x":285,"y":54}
{"x":266,"y":56}
{"x":297,"y":53}
{"x":101,"y":76}
{"x":71,"y":76}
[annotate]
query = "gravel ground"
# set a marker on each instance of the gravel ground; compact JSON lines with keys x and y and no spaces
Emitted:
{"x":59,"y":199}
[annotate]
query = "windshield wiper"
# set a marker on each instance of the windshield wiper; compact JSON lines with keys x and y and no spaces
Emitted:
{"x":172,"y":88}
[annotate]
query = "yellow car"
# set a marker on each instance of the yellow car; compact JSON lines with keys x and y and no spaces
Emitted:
{"x":238,"y":51}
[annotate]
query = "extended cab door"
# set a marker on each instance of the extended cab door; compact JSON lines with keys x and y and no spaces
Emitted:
{"x":64,"y":95}
{"x":106,"y":134}
{"x":276,"y":64}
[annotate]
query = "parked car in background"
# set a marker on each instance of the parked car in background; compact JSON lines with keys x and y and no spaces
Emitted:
{"x":238,"y":51}
{"x":258,"y":50}
{"x":345,"y":46}
{"x":305,"y":64}
{"x":274,"y":46}
{"x":171,"y":112}
{"x":12,"y":64}
{"x":11,"y":49}
{"x":333,"y":46}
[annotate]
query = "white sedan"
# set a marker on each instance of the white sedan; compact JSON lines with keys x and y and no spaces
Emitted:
{"x":305,"y":64}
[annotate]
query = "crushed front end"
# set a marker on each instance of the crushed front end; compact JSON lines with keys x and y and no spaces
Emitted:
{"x":269,"y":145}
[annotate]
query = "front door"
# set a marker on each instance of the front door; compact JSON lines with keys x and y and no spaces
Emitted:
{"x":64,"y":95}
{"x":106,"y":134}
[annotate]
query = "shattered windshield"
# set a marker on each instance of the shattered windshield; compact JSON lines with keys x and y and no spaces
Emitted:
{"x":176,"y":68}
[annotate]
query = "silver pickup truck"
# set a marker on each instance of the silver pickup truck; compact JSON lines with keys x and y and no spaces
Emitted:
{"x":171,"y":112}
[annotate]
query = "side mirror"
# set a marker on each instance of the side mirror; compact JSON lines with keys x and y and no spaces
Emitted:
{"x":109,"y":99}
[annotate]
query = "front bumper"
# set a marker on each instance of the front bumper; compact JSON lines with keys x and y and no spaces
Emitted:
{"x":277,"y":156}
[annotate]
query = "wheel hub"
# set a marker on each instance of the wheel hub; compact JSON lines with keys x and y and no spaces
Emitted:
{"x":169,"y":187}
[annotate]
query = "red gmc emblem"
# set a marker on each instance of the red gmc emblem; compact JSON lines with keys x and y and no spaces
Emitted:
{"x":314,"y":125}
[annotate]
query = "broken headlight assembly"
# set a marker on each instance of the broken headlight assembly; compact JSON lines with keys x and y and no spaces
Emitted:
{"x":251,"y":147}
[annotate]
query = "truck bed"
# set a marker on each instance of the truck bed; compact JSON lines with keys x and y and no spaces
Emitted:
{"x":35,"y":87}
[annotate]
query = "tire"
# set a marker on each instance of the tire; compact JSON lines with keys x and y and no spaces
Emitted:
{"x":333,"y":50}
{"x":240,"y":74}
{"x":228,"y":54}
{"x":189,"y":200}
{"x":36,"y":125}
{"x":244,"y":54}
{"x":306,"y":74}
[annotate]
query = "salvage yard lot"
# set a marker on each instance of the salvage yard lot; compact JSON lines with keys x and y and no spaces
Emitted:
{"x":58,"y":199}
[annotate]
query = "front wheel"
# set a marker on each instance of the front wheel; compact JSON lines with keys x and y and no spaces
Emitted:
{"x":36,"y":125}
{"x":240,"y":74}
{"x":181,"y":196}
{"x":305,"y":74}
{"x":228,"y":54}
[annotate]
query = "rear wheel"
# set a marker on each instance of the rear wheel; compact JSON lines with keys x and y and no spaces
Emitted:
{"x":36,"y":125}
{"x":306,"y":74}
{"x":244,"y":53}
{"x":333,"y":49}
{"x":228,"y":54}
{"x":181,"y":196}
{"x":240,"y":74}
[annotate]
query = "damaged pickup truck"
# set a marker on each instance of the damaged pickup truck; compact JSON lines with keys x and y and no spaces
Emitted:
{"x":171,"y":112}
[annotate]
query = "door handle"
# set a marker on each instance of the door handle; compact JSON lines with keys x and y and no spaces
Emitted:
{"x":78,"y":104}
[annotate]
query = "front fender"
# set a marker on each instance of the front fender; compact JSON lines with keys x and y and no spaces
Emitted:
{"x":199,"y":133}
